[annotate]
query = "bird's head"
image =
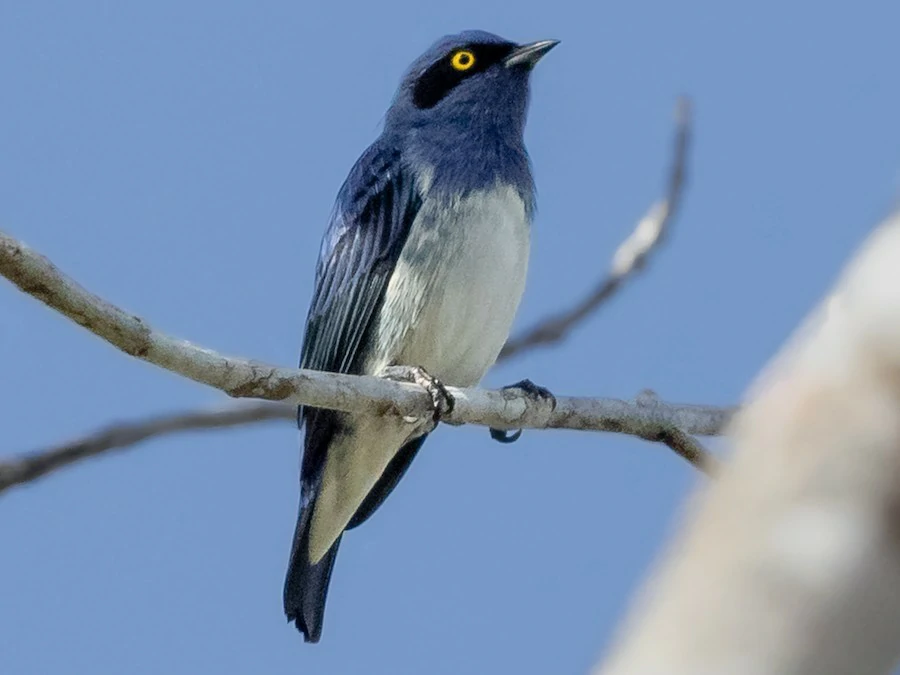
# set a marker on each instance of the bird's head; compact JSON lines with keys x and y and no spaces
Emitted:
{"x":471,"y":78}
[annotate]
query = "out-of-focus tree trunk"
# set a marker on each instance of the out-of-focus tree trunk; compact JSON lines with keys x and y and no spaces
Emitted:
{"x":789,"y":562}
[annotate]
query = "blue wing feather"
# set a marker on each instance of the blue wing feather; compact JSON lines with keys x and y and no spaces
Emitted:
{"x":369,"y":225}
{"x":371,"y":219}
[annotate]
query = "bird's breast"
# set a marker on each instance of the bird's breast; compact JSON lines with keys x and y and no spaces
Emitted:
{"x":452,"y":298}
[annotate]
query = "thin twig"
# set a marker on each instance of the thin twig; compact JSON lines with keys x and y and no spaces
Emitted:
{"x":689,"y":448}
{"x":128,"y":434}
{"x":629,"y":258}
{"x":676,"y":438}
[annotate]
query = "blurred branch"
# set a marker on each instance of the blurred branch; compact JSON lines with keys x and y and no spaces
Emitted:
{"x":126,"y":434}
{"x":630,"y":257}
{"x":789,"y":562}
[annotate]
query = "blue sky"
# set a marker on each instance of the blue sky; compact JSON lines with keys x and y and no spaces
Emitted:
{"x":181,"y":160}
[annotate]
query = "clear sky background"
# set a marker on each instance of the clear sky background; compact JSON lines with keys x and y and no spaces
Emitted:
{"x":181,"y":159}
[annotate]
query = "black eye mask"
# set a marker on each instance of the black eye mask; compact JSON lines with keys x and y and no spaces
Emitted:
{"x":441,"y":77}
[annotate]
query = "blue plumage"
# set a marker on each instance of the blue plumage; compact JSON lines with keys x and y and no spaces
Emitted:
{"x":422,"y":264}
{"x":372,"y":216}
{"x":475,"y":138}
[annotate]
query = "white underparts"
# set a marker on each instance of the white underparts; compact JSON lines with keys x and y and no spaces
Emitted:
{"x":448,"y":308}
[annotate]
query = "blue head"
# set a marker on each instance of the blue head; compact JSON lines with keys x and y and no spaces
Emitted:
{"x":460,"y":110}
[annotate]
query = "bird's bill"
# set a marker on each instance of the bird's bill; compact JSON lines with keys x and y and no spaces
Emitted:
{"x":529,"y":54}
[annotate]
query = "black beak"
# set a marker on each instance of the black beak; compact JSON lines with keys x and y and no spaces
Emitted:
{"x":528,"y":55}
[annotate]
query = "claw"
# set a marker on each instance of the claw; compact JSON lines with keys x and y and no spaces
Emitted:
{"x":441,"y":399}
{"x":503,"y":436}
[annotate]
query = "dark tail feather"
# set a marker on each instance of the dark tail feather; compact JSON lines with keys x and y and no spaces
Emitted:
{"x":306,"y":585}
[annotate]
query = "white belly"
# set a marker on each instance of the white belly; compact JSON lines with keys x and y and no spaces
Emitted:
{"x":448,"y":308}
{"x":451,"y":301}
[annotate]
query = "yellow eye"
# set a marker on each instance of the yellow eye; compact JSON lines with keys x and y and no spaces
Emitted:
{"x":463,"y":60}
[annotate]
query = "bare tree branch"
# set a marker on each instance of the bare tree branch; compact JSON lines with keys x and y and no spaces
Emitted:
{"x":657,"y":423}
{"x":689,"y":448}
{"x":630,"y":257}
{"x":125,"y":434}
{"x":242,"y":378}
{"x":789,"y":563}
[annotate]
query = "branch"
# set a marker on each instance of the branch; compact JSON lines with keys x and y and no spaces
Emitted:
{"x":32,"y":466}
{"x":789,"y":563}
{"x":686,"y":446}
{"x":656,"y":422}
{"x":630,"y":257}
{"x":242,"y":378}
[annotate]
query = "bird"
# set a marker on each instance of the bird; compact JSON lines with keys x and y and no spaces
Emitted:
{"x":422,"y":267}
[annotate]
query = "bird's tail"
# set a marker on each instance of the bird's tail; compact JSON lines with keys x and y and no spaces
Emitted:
{"x":306,"y":585}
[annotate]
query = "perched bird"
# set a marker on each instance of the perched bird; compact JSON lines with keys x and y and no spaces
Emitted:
{"x":423,"y":264}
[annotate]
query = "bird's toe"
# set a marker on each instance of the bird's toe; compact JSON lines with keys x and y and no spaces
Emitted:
{"x":441,"y":399}
{"x":533,"y":391}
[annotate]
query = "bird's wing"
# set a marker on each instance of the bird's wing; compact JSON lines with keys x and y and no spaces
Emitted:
{"x":372,"y":217}
{"x":371,"y":220}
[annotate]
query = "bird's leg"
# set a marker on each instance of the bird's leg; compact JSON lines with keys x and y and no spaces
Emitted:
{"x":441,"y":399}
{"x":532,"y":391}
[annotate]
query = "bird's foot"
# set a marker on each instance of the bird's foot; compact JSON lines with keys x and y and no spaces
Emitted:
{"x":534,"y":392}
{"x":441,"y":399}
